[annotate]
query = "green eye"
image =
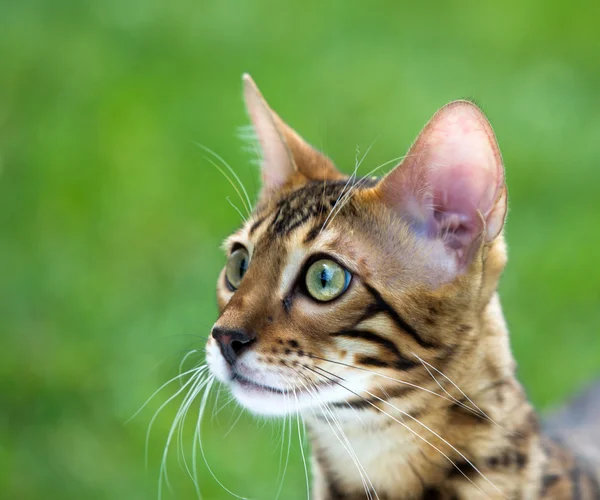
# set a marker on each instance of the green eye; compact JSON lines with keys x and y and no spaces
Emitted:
{"x":326,"y":280}
{"x":237,"y":265}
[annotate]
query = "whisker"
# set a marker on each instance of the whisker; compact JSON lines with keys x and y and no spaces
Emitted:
{"x":418,"y":435}
{"x":280,"y":474}
{"x":426,"y":364}
{"x":369,"y":488}
{"x":236,"y":209}
{"x":223,"y":406}
{"x":179,"y":420}
{"x":338,"y":199}
{"x":361,"y":182}
{"x":230,"y":182}
{"x":210,"y":151}
{"x":163,"y":466}
{"x":342,"y":200}
{"x":300,"y":443}
{"x":280,"y":465}
{"x":348,"y":447}
{"x":157,"y":391}
{"x":363,"y":481}
{"x":287,"y":458}
{"x":192,"y":379}
{"x":348,"y":182}
{"x":186,"y":356}
{"x":322,"y":199}
{"x":300,"y":440}
{"x":198,"y":440}
{"x":410,"y":384}
{"x":234,"y":423}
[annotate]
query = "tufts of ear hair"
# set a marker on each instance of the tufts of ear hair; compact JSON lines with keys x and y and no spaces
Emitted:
{"x":287,"y":158}
{"x":450,"y":187}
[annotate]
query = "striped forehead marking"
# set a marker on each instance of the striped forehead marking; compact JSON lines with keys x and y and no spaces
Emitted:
{"x":315,"y":200}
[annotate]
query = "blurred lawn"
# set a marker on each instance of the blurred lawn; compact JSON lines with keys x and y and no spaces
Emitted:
{"x":110,"y":218}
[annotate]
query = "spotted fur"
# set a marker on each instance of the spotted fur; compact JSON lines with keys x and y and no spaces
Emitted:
{"x":412,"y":363}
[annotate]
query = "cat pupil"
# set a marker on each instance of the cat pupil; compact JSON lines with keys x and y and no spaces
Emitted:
{"x":325,"y":277}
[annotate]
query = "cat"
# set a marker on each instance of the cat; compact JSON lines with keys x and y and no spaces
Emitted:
{"x":369,"y":306}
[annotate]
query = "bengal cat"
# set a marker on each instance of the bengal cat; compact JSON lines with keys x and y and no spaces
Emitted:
{"x":369,"y":307}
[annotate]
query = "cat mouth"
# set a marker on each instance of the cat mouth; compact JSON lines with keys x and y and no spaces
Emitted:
{"x":249,"y":384}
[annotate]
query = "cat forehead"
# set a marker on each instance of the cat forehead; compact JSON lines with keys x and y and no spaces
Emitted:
{"x":313,"y":203}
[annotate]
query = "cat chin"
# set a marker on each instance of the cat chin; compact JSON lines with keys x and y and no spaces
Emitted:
{"x":266,"y":402}
{"x":263,"y":402}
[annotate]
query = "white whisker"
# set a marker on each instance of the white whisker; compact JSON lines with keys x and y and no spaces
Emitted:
{"x":287,"y":459}
{"x":244,"y":219}
{"x":343,"y":200}
{"x":247,"y":207}
{"x":198,"y":440}
{"x":367,"y":484}
{"x":157,"y":391}
{"x":300,"y":443}
{"x":210,"y":151}
{"x":163,"y":466}
{"x":422,"y":438}
{"x":192,"y":379}
{"x":234,"y":423}
{"x":426,"y":364}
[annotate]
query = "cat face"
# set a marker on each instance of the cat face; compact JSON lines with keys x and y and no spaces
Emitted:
{"x":338,"y":287}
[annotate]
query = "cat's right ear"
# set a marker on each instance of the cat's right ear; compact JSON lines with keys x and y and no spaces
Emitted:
{"x":450,"y":187}
{"x":286,"y":158}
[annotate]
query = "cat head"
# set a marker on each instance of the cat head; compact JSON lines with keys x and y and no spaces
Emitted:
{"x":337,"y":285}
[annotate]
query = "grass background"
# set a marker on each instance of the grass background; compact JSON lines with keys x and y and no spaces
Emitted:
{"x":110,"y":218}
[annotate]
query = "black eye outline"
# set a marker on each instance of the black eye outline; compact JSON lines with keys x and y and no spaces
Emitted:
{"x":301,"y":280}
{"x":234,"y":249}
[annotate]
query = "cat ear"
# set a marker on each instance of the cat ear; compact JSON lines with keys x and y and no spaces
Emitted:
{"x":451,"y":185}
{"x":285,"y":154}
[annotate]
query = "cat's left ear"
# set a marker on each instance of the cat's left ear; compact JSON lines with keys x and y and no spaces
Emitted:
{"x":286,"y":157}
{"x":450,"y":186}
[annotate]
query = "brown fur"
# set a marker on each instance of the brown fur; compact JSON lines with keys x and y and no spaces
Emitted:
{"x":416,"y":435}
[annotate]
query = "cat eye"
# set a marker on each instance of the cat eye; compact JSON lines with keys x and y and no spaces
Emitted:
{"x":237,"y":265}
{"x":326,"y":280}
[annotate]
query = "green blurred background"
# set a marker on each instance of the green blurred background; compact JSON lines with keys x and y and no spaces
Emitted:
{"x":111,"y":218}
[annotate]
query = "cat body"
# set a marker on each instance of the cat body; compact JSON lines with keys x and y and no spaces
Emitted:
{"x":369,"y":307}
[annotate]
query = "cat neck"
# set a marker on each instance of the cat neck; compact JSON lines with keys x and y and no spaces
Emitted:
{"x":432,"y":441}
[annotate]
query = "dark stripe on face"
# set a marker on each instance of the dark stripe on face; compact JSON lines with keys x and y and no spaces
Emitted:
{"x":462,"y":409}
{"x":380,"y":305}
{"x":297,"y":223}
{"x":460,"y":469}
{"x":432,"y":494}
{"x":369,"y":402}
{"x":256,"y":225}
{"x":301,"y":205}
{"x":401,"y":362}
{"x":507,"y":459}
{"x":547,"y":482}
{"x":316,"y":199}
{"x":313,"y":233}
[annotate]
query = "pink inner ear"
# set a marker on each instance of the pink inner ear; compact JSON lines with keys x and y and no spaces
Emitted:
{"x":451,"y":179}
{"x":464,"y":176}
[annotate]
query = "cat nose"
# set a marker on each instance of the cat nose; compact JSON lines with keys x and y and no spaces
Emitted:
{"x":232,"y":342}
